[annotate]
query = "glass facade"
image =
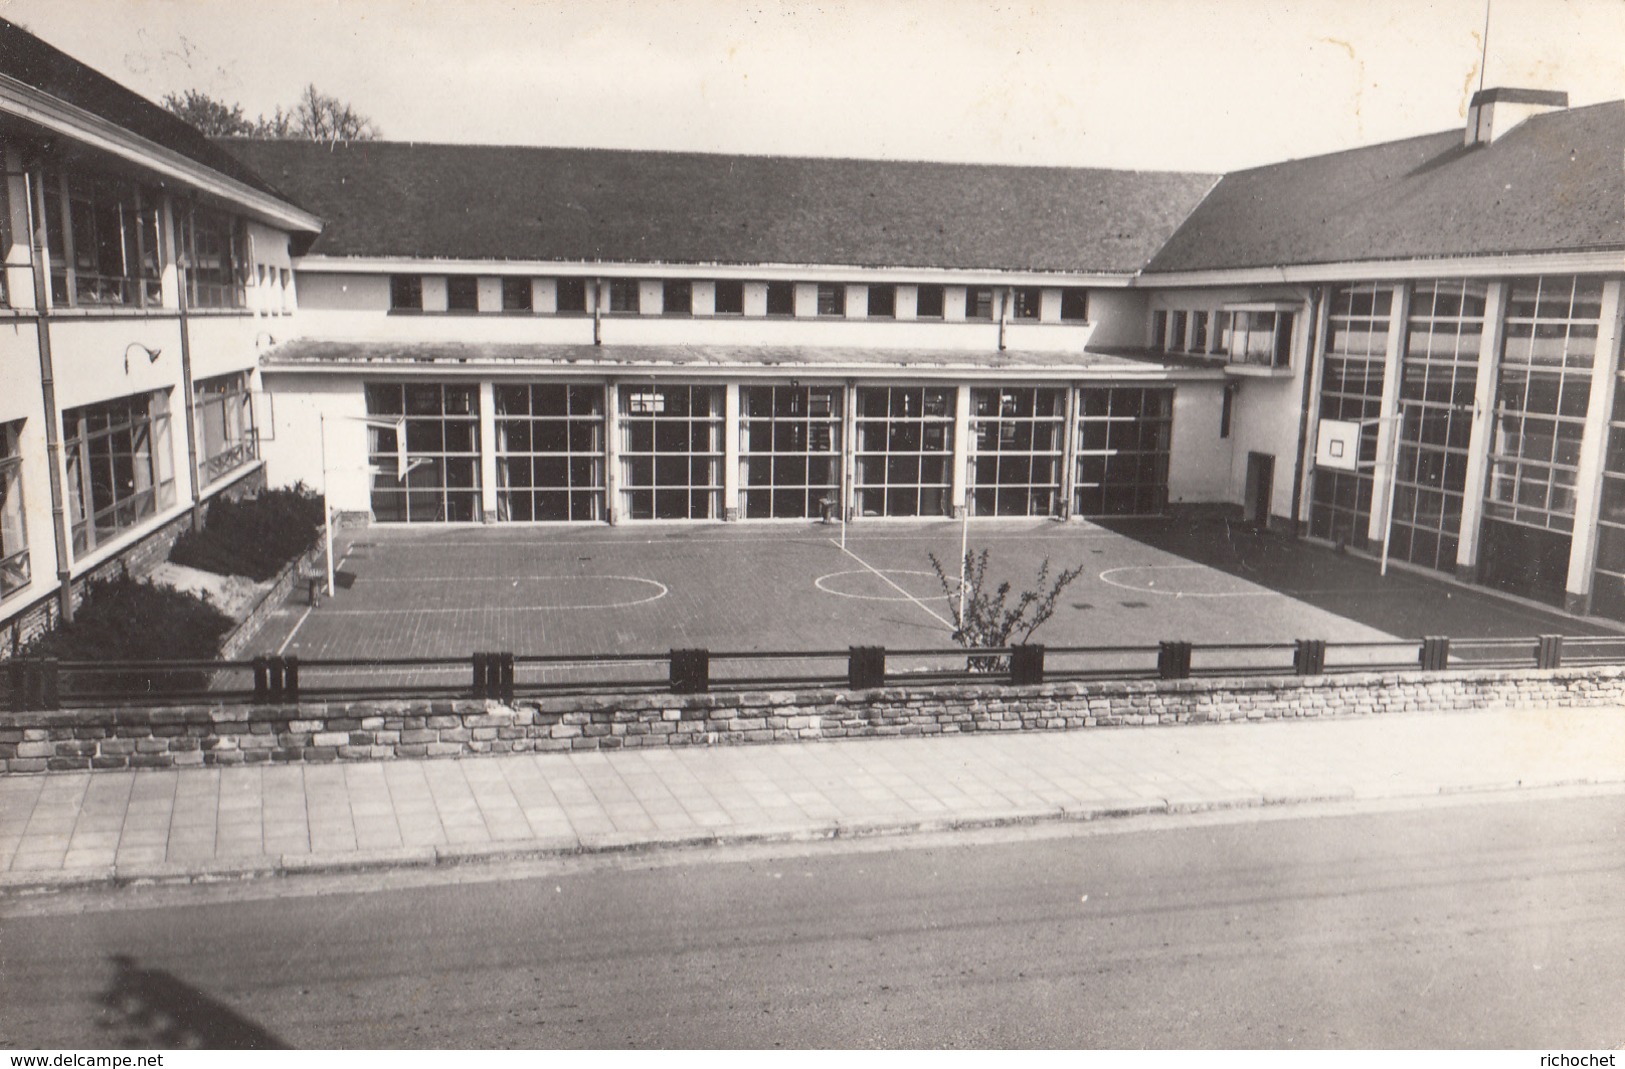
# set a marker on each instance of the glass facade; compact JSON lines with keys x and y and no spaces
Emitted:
{"x":14,"y":570}
{"x":1019,"y":442}
{"x":120,"y":469}
{"x":671,"y":452}
{"x":549,"y":451}
{"x":223,"y":410}
{"x":1351,"y":389}
{"x":904,"y":449}
{"x":789,"y":450}
{"x":1124,"y":434}
{"x":1440,"y":374}
{"x":442,"y":449}
{"x":102,"y":234}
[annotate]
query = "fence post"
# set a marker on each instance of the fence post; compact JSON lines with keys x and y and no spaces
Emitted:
{"x":1549,"y":652}
{"x":17,"y":671}
{"x":261,"y":682}
{"x":505,"y":677}
{"x":290,"y":678}
{"x":1435,"y":653}
{"x":481,"y":665}
{"x":1026,"y":665}
{"x":690,"y":671}
{"x":1309,"y":656}
{"x":273,"y":666}
{"x":865,"y":667}
{"x":1174,"y":660}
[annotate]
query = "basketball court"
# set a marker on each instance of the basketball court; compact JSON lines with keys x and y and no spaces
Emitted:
{"x":793,"y":586}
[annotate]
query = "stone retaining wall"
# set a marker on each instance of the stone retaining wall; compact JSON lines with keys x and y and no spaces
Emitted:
{"x":163,"y":737}
{"x":242,"y":635}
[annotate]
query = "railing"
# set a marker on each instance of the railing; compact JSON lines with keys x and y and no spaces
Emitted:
{"x":48,"y":683}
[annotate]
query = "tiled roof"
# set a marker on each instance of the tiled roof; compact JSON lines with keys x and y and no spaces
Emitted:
{"x":55,"y":73}
{"x":479,"y":202}
{"x":305,"y":352}
{"x":1555,"y":183}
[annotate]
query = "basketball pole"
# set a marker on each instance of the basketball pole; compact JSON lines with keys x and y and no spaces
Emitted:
{"x":327,"y":513}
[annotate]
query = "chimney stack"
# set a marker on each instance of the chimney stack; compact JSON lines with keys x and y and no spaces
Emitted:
{"x":1494,"y":112}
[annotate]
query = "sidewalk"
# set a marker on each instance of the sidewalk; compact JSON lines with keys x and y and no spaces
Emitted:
{"x":83,"y":829}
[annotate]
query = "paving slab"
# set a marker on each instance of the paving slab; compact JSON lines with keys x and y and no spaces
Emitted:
{"x":202,"y":824}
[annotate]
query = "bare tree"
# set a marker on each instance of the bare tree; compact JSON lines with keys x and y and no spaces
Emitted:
{"x":315,"y":117}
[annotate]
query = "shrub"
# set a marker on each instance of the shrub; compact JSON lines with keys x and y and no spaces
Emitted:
{"x":130,"y":620}
{"x":987,"y":622}
{"x":255,"y":536}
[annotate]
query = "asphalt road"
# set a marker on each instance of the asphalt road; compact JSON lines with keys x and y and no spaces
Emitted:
{"x":1470,"y":925}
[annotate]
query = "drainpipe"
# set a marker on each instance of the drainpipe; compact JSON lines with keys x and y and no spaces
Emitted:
{"x":1317,"y":330}
{"x":47,"y":374}
{"x":597,"y":311}
{"x":1004,"y":308}
{"x":181,"y":266}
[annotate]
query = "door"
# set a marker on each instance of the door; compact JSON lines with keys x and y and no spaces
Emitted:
{"x":1260,"y":487}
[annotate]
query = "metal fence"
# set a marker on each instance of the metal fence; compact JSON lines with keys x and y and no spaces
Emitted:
{"x":46,"y":683}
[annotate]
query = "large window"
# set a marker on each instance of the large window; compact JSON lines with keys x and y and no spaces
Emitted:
{"x":1261,"y":337}
{"x":1027,"y":302}
{"x":677,"y":297}
{"x":572,"y":295}
{"x":1608,"y":588}
{"x":790,"y":449}
{"x":442,"y":450}
{"x":882,"y":302}
{"x":831,"y":299}
{"x":928,"y":302}
{"x":103,"y":240}
{"x":550,"y":452}
{"x":671,"y":452}
{"x":1019,"y":438}
{"x":119,"y":466}
{"x":730,"y":298}
{"x":13,"y":527}
{"x":1351,"y":389}
{"x":215,"y":277}
{"x":223,"y":411}
{"x":462,"y":293}
{"x":516,"y":294}
{"x":625,"y":295}
{"x":1436,"y":392}
{"x":979,"y":302}
{"x":904,"y":450}
{"x":781,"y":298}
{"x":405,"y":293}
{"x":1124,"y":433}
{"x":1074,"y":305}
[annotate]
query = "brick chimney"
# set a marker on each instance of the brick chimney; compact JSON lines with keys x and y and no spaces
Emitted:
{"x":1494,"y":112}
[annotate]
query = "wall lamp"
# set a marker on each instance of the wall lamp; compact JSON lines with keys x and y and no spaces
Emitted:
{"x":264,"y":337}
{"x":136,"y":347}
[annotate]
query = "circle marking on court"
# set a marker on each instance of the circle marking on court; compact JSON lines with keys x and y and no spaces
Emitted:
{"x":661,"y":590}
{"x":820,"y":584}
{"x":1150,"y":587}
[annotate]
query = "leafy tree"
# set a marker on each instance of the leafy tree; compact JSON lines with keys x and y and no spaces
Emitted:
{"x":988,"y":620}
{"x":316,"y":116}
{"x":214,"y":117}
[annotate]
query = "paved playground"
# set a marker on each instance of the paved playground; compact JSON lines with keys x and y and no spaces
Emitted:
{"x":405,"y":592}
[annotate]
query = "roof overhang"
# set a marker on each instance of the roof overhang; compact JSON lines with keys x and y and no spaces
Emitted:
{"x":375,"y":265}
{"x":1602,"y":261}
{"x":520,"y":360}
{"x":55,"y":116}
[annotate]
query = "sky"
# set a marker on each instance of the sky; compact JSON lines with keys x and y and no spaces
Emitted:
{"x":1200,"y":85}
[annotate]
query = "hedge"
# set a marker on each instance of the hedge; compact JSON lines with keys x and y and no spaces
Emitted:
{"x":255,"y":536}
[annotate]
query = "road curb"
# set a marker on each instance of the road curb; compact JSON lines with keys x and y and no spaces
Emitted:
{"x":432,"y":857}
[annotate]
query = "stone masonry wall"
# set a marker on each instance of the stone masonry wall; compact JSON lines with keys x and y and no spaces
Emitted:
{"x":163,"y":737}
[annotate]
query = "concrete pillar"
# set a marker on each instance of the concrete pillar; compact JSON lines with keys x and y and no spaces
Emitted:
{"x":1388,"y":430}
{"x":434,"y":293}
{"x":651,"y":297}
{"x":953,"y":303}
{"x":612,"y":452}
{"x":958,"y":471}
{"x":19,"y":272}
{"x":544,"y":296}
{"x":756,"y":299}
{"x":1593,"y":453}
{"x":169,"y":284}
{"x":908,"y":302}
{"x":849,"y":449}
{"x":1049,"y":305}
{"x":488,"y":294}
{"x":730,"y":451}
{"x":806,"y":300}
{"x":1478,"y":443}
{"x":857,"y":301}
{"x":488,"y":445}
{"x":705,"y":298}
{"x":1314,"y":371}
{"x":1069,"y":453}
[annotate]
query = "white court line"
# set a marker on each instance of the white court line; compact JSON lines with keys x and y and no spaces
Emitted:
{"x":945,"y":623}
{"x":280,"y":650}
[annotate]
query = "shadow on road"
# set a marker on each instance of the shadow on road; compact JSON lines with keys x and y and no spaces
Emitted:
{"x":149,"y":1008}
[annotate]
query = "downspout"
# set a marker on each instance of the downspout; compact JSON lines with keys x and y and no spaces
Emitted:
{"x":181,"y":266}
{"x":47,"y":374}
{"x":1317,"y":331}
{"x":597,"y":311}
{"x":1004,"y":308}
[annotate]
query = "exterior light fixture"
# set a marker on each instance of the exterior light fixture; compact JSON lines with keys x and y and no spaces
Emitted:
{"x":136,"y":347}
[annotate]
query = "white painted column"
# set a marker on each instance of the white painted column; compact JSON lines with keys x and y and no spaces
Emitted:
{"x":1388,"y":429}
{"x":1315,"y":369}
{"x":1483,"y":431}
{"x":18,"y":256}
{"x":730,"y":451}
{"x":488,"y":450}
{"x":908,"y":302}
{"x":849,"y":449}
{"x":960,"y":477}
{"x":612,"y":452}
{"x":857,"y":301}
{"x":1593,"y":453}
{"x":1069,"y":451}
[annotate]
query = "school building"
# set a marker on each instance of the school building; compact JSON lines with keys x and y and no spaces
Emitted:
{"x":1411,"y":346}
